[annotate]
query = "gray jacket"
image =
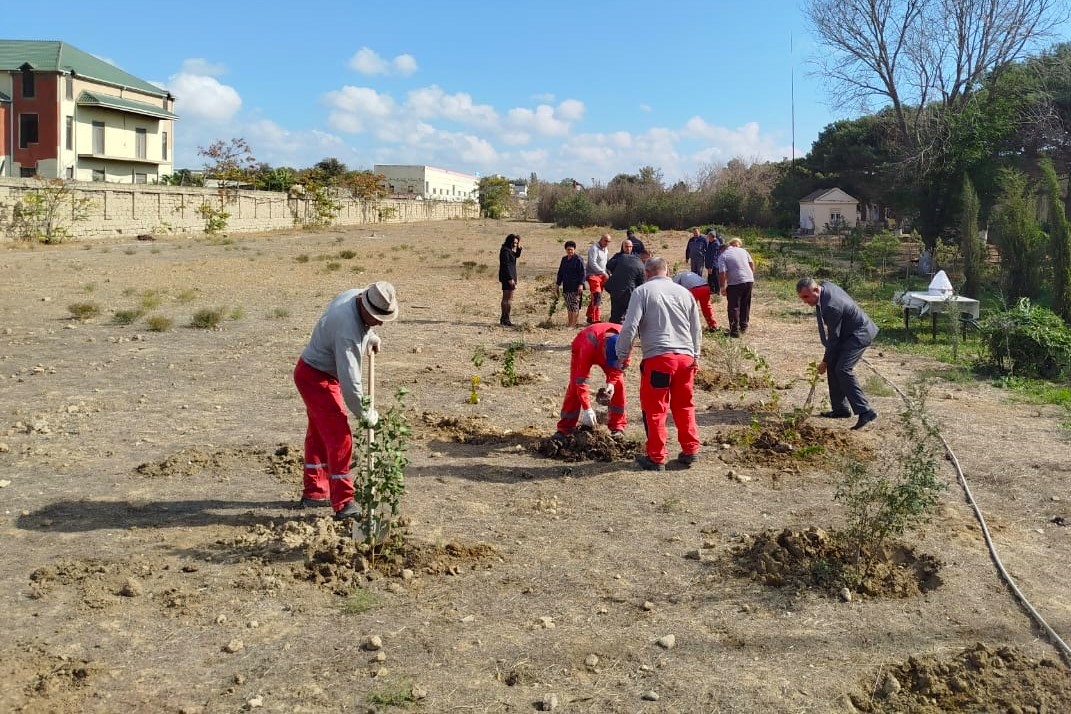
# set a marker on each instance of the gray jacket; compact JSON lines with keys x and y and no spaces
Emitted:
{"x":338,"y":343}
{"x":841,"y":323}
{"x":665,"y":317}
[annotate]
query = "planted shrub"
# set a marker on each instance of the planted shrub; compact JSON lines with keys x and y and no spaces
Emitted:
{"x":1028,"y":340}
{"x":125,"y":317}
{"x":207,"y":318}
{"x":84,"y":310}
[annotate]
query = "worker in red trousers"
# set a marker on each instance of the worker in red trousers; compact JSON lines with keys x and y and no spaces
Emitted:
{"x":700,"y":290}
{"x":594,"y":345}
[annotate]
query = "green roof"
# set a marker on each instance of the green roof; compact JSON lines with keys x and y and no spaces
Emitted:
{"x":90,"y":99}
{"x":52,"y":56}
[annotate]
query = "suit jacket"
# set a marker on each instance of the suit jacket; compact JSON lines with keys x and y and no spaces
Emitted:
{"x":627,"y":276}
{"x":841,"y":323}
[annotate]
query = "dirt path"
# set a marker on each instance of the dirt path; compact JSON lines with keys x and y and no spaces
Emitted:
{"x":190,"y":584}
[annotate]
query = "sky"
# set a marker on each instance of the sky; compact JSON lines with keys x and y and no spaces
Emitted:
{"x":579,"y":89}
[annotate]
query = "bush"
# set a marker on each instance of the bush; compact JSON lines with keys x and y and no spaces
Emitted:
{"x":1028,"y":340}
{"x":208,"y":318}
{"x":159,"y":323}
{"x":84,"y":310}
{"x":125,"y":317}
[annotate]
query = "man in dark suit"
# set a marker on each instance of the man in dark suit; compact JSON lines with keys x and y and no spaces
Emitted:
{"x":846,"y":331}
{"x":626,"y":274}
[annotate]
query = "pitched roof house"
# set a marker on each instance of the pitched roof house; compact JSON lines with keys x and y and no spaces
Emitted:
{"x":67,"y":114}
{"x":827,"y":207}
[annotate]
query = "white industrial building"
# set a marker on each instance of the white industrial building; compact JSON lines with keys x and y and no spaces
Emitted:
{"x":428,"y":182}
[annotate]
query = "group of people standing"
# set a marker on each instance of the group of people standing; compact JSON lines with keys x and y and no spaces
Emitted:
{"x":662,"y":313}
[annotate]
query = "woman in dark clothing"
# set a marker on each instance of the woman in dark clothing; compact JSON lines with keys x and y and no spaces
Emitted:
{"x":507,"y":273}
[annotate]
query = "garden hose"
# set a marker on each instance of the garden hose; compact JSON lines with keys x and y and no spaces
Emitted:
{"x":1054,"y":638}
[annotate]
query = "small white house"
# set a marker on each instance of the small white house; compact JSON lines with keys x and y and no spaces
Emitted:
{"x":428,"y":182}
{"x":827,"y":207}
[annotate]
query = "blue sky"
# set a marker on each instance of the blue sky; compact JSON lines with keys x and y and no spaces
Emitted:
{"x":564,"y":89}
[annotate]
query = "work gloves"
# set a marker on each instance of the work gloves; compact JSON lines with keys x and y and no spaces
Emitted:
{"x":587,"y":418}
{"x":373,"y":343}
{"x":370,"y":418}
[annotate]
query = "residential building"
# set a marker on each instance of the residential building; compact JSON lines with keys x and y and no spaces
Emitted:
{"x":428,"y":182}
{"x":67,"y":114}
{"x":827,"y":208}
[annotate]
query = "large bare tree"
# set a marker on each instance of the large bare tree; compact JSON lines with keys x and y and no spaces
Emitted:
{"x":910,"y":54}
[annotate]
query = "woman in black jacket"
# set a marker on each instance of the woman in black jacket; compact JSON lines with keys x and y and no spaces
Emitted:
{"x":507,"y":274}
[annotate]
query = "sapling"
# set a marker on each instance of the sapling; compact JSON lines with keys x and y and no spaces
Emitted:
{"x":379,"y":484}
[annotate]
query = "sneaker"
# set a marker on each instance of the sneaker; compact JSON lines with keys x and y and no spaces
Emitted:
{"x":864,"y":419}
{"x":686,"y":460}
{"x":350,"y":510}
{"x":835,"y":415}
{"x":647,"y":465}
{"x":313,"y":502}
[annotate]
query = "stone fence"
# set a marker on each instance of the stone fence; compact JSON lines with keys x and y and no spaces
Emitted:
{"x":128,"y":210}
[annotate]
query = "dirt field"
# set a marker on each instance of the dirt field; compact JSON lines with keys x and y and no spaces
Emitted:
{"x":153,"y":561}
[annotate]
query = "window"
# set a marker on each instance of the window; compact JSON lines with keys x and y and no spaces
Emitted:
{"x":141,"y":178}
{"x":140,"y":143}
{"x":27,"y":172}
{"x":69,"y":86}
{"x":98,"y":174}
{"x":70,"y":133}
{"x":163,"y":145}
{"x":29,"y":84}
{"x":836,"y":218}
{"x":98,"y":138}
{"x":70,"y":173}
{"x":27,"y":130}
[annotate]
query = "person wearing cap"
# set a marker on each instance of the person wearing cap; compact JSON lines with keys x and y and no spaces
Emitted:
{"x":507,"y":274}
{"x":665,"y":318}
{"x":597,"y":276}
{"x":700,"y":291}
{"x":845,"y":331}
{"x":328,"y":377}
{"x":594,"y":345}
{"x":737,"y":269}
{"x":713,"y":252}
{"x":695,"y":252}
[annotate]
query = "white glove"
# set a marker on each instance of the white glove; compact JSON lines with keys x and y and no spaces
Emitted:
{"x":608,"y":390}
{"x":587,"y":418}
{"x":373,"y":343}
{"x":370,"y":418}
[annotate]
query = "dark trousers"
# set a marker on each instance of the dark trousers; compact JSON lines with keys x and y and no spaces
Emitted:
{"x":844,"y":389}
{"x":738,"y":298}
{"x":619,"y":306}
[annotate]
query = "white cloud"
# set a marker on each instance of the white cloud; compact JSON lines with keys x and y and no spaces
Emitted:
{"x":404,"y":65}
{"x":646,"y":108}
{"x":352,"y":107}
{"x":546,"y":98}
{"x":547,"y":120}
{"x":282,"y":147}
{"x":199,"y":65}
{"x":431,"y":102}
{"x":725,"y":143}
{"x":570,"y":110}
{"x":367,"y":61}
{"x":199,"y":97}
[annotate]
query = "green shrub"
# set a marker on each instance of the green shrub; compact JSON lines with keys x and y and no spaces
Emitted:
{"x":159,"y":323}
{"x":279,"y":313}
{"x":1027,"y":340}
{"x":303,"y":258}
{"x":347,"y":254}
{"x":332,"y":266}
{"x":236,"y":313}
{"x":150,"y":300}
{"x":84,"y":310}
{"x":207,"y":318}
{"x":125,"y":317}
{"x":187,"y":295}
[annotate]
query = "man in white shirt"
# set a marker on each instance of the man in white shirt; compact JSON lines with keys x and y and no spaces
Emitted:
{"x":597,"y":276}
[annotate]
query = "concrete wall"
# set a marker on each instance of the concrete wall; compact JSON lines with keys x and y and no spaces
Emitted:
{"x":127,"y":210}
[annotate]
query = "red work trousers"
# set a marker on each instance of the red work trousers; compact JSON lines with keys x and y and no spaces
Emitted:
{"x":702,"y":296}
{"x":328,"y":443}
{"x":588,"y":350}
{"x":595,"y":282}
{"x":667,"y":381}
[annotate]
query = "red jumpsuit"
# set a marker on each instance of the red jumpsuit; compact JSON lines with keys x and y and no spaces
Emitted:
{"x":595,"y":283}
{"x":328,"y":443}
{"x":666,"y":385}
{"x":702,"y":296}
{"x":589,"y":348}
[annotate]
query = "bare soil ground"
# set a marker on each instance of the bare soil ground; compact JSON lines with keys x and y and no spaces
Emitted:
{"x":153,"y":560}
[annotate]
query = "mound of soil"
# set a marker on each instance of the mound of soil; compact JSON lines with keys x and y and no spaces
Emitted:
{"x":40,"y":681}
{"x":472,"y":430}
{"x":99,"y":583}
{"x":284,"y":462}
{"x":324,"y":552}
{"x":815,"y":558}
{"x":770,"y":442}
{"x":979,"y":679}
{"x":588,"y":445}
